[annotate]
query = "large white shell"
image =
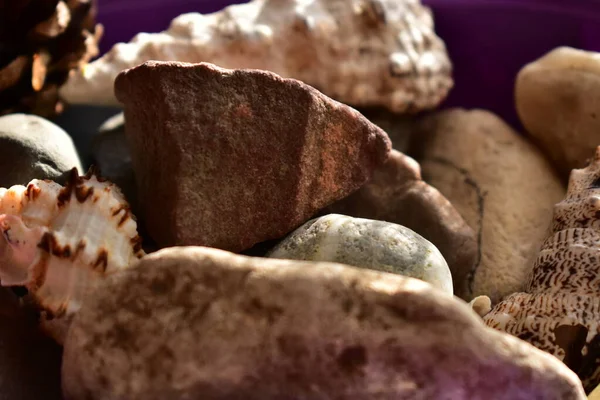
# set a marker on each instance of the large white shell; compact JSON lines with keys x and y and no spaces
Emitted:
{"x":361,"y":52}
{"x":59,"y":241}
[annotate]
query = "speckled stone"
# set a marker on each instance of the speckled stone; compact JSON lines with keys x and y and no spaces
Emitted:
{"x":366,"y":243}
{"x":200,"y":323}
{"x":397,"y":194}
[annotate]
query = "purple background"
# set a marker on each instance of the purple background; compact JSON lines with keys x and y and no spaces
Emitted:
{"x":488,"y":40}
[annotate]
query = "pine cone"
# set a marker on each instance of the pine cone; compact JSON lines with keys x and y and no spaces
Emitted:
{"x":40,"y":42}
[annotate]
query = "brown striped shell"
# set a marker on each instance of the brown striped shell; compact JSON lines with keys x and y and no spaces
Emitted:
{"x":59,"y":241}
{"x":560,"y":312}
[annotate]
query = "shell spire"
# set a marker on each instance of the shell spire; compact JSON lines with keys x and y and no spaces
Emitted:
{"x":59,"y":241}
{"x":560,"y":311}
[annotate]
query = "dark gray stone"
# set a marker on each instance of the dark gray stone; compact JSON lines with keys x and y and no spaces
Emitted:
{"x":32,"y":147}
{"x":83,"y":122}
{"x":110,"y":153}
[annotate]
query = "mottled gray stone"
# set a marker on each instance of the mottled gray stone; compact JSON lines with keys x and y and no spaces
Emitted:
{"x":32,"y":147}
{"x":366,"y":243}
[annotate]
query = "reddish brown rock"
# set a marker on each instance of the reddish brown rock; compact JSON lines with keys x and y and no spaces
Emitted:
{"x":230,"y":158}
{"x":397,"y":194}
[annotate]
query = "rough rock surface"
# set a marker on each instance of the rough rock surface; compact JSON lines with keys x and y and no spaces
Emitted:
{"x":366,"y":243}
{"x":558,"y":101}
{"x":29,"y":362}
{"x":397,"y":194}
{"x":360,"y":52}
{"x":203,"y":323}
{"x":230,"y":158}
{"x":558,"y":311}
{"x":32,"y":147}
{"x":501,"y":184}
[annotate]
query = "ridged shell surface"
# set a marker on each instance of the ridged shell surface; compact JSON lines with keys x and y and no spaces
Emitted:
{"x":560,"y":313}
{"x":59,"y":241}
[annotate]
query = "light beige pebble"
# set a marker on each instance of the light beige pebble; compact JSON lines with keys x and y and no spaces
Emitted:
{"x":367,"y":243}
{"x":200,"y":323}
{"x":558,"y":101}
{"x":499,"y":182}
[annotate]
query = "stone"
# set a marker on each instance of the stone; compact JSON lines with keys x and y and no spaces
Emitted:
{"x":558,"y":101}
{"x":595,"y":395}
{"x":201,"y":323}
{"x":361,"y":52}
{"x":29,"y":362}
{"x":110,"y":153}
{"x":499,"y":182}
{"x":230,"y":158}
{"x":366,"y":243}
{"x":32,"y":147}
{"x":397,"y":194}
{"x":83,"y":123}
{"x":397,"y":126}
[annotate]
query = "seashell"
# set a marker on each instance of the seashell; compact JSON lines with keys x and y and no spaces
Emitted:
{"x":59,"y":241}
{"x":560,"y":311}
{"x":361,"y":52}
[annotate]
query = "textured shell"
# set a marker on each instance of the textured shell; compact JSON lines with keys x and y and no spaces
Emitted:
{"x":360,"y":52}
{"x":560,"y":313}
{"x":58,"y":241}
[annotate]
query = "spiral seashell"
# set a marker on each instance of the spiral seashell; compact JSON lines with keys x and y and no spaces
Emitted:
{"x":59,"y":241}
{"x":560,"y":312}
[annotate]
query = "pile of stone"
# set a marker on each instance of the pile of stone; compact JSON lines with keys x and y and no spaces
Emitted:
{"x":294,"y":246}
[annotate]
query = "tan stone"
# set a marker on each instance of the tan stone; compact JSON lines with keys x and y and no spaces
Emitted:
{"x":558,"y":101}
{"x":200,"y":323}
{"x":500,"y":183}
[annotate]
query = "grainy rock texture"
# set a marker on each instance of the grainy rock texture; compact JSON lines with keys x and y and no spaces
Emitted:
{"x":560,"y":311}
{"x":29,"y":362}
{"x":34,"y":148}
{"x":558,"y":101}
{"x":500,"y":183}
{"x":360,"y":52}
{"x":369,"y":244}
{"x":397,"y":194}
{"x":230,"y":158}
{"x":199,"y":323}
